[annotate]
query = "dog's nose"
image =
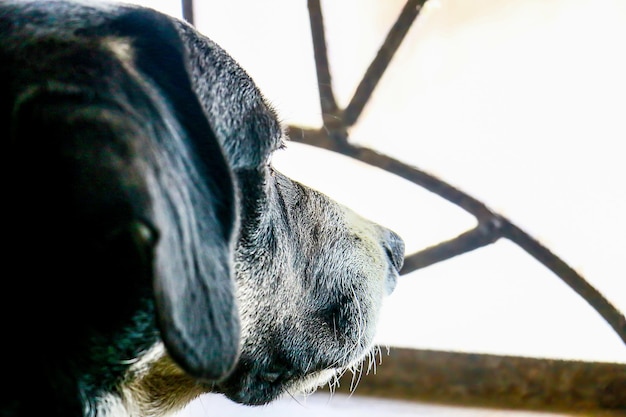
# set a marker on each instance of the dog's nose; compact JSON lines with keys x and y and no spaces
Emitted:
{"x":394,"y":246}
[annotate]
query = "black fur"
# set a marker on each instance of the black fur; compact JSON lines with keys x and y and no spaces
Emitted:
{"x":142,"y":209}
{"x":120,"y":200}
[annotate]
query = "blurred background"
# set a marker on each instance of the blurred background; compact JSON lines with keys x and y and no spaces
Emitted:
{"x":520,"y":103}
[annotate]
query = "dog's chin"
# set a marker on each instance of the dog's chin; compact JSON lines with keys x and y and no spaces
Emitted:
{"x":261,"y":391}
{"x":262,"y":387}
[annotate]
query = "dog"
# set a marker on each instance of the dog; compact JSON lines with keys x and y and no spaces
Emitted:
{"x":154,"y":253}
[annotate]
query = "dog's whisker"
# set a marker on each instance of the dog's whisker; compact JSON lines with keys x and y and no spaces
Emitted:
{"x":374,"y":362}
{"x":309,"y":365}
{"x":370,"y":365}
{"x":294,"y":398}
{"x":333,"y":384}
{"x":356,"y":377}
{"x":360,"y":324}
{"x":380,"y":354}
{"x":377,"y":357}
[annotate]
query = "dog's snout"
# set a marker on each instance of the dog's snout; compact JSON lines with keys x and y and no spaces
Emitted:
{"x":394,"y":246}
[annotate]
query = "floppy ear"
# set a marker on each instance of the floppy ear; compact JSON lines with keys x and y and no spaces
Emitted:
{"x":193,"y":280}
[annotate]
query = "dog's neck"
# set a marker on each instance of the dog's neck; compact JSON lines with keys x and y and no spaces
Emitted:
{"x":154,"y":386}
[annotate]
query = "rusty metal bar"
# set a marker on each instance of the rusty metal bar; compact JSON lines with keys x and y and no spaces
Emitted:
{"x":568,"y":275}
{"x":321,"y":138}
{"x":482,"y":235}
{"x":481,"y":380}
{"x":187,"y":8}
{"x":380,"y":63}
{"x":324,"y":80}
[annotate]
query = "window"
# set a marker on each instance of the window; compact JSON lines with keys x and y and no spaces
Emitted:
{"x":519,"y":104}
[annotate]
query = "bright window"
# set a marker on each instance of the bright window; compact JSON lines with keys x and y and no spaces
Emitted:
{"x":519,"y":103}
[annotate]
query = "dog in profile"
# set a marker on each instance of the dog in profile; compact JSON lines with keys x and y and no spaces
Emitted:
{"x":154,"y":253}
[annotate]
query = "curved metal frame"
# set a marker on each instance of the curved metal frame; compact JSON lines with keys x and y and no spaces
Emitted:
{"x":333,"y":136}
{"x":491,"y":225}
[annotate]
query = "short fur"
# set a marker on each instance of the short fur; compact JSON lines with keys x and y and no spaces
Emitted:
{"x":154,"y":252}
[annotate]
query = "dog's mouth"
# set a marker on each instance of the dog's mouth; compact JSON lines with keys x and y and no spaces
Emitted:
{"x":259,"y":387}
{"x":251,"y":385}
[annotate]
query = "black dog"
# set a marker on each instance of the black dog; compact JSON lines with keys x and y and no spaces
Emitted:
{"x":154,"y":253}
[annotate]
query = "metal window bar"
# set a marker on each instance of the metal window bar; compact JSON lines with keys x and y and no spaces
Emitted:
{"x":460,"y":378}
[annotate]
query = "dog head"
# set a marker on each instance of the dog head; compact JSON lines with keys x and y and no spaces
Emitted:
{"x":169,"y":222}
{"x":310,"y":273}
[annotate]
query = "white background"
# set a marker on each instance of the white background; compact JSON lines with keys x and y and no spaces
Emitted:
{"x":520,"y":103}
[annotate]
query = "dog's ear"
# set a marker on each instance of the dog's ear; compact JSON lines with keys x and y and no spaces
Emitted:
{"x":194,"y":285}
